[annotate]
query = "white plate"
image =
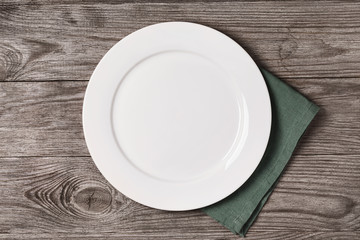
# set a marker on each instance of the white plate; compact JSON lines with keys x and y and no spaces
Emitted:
{"x":176,"y":116}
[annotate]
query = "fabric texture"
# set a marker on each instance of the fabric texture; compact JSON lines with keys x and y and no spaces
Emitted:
{"x":291,"y":115}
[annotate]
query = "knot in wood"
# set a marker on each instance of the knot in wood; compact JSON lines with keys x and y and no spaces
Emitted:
{"x":90,"y":198}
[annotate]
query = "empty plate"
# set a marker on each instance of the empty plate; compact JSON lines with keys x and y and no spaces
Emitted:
{"x":176,"y":116}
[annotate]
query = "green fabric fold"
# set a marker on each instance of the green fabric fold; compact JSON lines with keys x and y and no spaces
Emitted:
{"x":291,"y":115}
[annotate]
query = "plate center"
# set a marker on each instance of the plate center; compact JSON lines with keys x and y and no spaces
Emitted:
{"x":176,"y":117}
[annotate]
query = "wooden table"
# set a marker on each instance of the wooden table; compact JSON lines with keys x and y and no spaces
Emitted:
{"x":49,"y":186}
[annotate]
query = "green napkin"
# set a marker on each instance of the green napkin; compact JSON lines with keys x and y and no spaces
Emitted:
{"x":291,"y":114}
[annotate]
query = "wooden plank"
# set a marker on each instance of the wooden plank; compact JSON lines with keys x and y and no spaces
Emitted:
{"x":35,"y":3}
{"x":44,"y":118}
{"x":42,"y":42}
{"x":67,"y":195}
{"x":273,"y":235}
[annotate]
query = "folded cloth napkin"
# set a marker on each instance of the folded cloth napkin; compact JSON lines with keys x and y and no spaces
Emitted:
{"x":291,"y":115}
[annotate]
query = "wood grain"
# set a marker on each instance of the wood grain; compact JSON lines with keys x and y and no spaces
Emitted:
{"x":319,"y":191}
{"x":274,"y":235}
{"x":42,"y":42}
{"x":44,"y":119}
{"x":49,"y":186}
{"x":69,"y":196}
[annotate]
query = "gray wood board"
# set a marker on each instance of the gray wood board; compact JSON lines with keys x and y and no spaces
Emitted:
{"x":68,"y":195}
{"x":49,"y":186}
{"x":42,"y":42}
{"x":44,"y":118}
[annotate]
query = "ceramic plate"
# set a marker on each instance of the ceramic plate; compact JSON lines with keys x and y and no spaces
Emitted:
{"x":176,"y":116}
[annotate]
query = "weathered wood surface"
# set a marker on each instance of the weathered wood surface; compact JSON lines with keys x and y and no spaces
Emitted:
{"x":44,"y":118}
{"x":66,"y":41}
{"x":68,"y":195}
{"x":49,"y":187}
